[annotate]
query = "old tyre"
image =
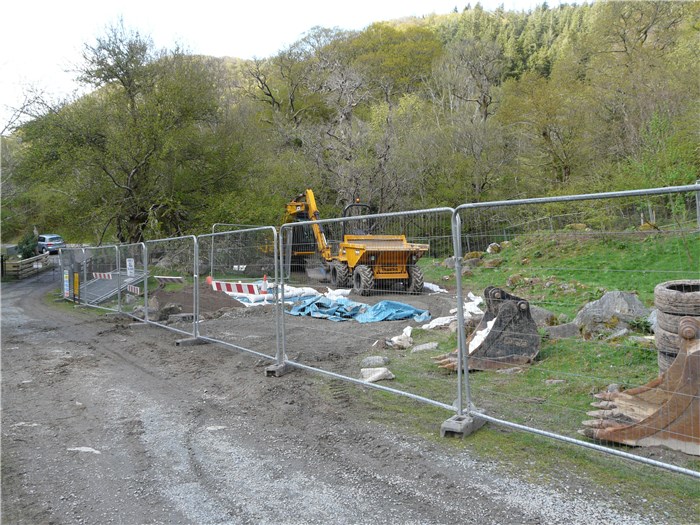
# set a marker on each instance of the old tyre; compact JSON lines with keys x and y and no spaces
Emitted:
{"x":669,"y":322}
{"x":415,"y":280}
{"x":666,"y":341}
{"x":362,"y":280}
{"x":673,"y":300}
{"x":340,"y":274}
{"x":678,"y":297}
{"x":665,"y":360}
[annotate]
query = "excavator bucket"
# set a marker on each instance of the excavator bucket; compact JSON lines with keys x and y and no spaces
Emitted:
{"x":505,"y":337}
{"x":664,"y":412}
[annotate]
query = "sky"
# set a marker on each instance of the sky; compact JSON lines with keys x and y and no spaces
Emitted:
{"x":41,"y":41}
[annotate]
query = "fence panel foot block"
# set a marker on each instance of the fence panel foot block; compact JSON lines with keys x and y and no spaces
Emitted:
{"x":460,"y":426}
{"x":277,"y":370}
{"x":190,"y":341}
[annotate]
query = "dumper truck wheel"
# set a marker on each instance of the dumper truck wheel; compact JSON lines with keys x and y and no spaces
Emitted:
{"x":362,"y":280}
{"x":340,"y":274}
{"x":415,"y":280}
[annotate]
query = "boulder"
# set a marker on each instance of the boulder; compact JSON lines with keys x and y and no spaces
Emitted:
{"x":563,"y":331}
{"x":543,"y":317}
{"x":611,"y":312}
{"x":168,"y":310}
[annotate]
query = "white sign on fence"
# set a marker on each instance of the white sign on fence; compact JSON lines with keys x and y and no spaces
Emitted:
{"x":130,"y":272}
{"x":66,"y":284}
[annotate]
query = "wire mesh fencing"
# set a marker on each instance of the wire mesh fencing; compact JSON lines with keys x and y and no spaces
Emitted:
{"x":170,"y":291}
{"x":92,"y":276}
{"x":133,"y":282}
{"x":355,"y":299}
{"x":73,"y":270}
{"x":572,"y":297}
{"x":237,"y":299}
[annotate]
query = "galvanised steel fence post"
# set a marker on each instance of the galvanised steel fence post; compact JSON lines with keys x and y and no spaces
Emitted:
{"x":697,"y":204}
{"x":145,"y":283}
{"x":279,"y":306}
{"x":279,"y":255}
{"x":195,"y":277}
{"x":462,"y":356}
{"x":119,"y":280}
{"x":84,"y":274}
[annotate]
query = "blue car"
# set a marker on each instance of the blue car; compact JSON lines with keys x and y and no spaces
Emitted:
{"x":49,"y":243}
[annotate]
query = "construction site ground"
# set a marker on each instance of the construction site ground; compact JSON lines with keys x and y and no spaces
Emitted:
{"x":106,"y":423}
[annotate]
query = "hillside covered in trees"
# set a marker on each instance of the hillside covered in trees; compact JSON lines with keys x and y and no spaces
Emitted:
{"x":417,"y":113}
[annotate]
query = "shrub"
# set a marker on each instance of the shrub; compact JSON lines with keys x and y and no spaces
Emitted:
{"x":27,"y":246}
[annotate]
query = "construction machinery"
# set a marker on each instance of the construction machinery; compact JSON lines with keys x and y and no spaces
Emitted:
{"x":506,"y":336}
{"x":664,"y":412}
{"x":361,"y":260}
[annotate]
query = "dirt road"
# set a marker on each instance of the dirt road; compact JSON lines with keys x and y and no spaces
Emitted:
{"x":106,"y":423}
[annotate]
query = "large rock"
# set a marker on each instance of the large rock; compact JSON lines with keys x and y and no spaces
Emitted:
{"x":563,"y":331}
{"x":543,"y":317}
{"x":611,"y":312}
{"x":168,"y":310}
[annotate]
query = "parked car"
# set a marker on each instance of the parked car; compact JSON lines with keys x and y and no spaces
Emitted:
{"x":49,"y":242}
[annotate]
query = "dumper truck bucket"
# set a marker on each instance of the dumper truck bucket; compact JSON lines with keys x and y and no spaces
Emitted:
{"x":664,"y":412}
{"x":505,"y":337}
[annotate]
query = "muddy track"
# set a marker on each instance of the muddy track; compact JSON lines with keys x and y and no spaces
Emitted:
{"x":103,"y":423}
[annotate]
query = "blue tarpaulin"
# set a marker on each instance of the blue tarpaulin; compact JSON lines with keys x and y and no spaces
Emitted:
{"x":342,"y":309}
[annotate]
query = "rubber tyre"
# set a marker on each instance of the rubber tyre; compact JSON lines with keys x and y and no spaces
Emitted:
{"x":362,"y":280}
{"x":666,"y":341}
{"x":678,"y":297}
{"x":340,"y":274}
{"x":669,"y":322}
{"x":664,"y":361}
{"x":415,"y":280}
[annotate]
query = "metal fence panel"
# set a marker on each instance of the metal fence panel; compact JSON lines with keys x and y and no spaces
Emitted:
{"x":237,"y":300}
{"x":91,"y":276}
{"x":587,"y":267}
{"x":364,"y":287}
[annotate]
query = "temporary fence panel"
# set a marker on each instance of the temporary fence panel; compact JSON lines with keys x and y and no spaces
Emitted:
{"x":569,"y":287}
{"x":237,"y":298}
{"x":173,"y":278}
{"x":360,"y":293}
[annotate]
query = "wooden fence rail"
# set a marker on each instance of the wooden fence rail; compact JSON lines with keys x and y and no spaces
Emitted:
{"x":23,"y":268}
